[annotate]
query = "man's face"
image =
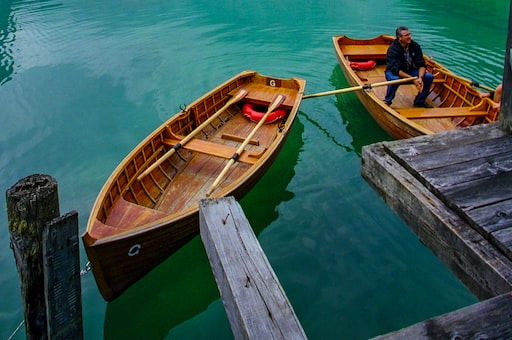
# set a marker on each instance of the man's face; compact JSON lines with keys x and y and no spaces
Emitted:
{"x":405,"y":37}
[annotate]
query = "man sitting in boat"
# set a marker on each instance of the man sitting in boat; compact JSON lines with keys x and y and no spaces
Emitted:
{"x":404,"y":59}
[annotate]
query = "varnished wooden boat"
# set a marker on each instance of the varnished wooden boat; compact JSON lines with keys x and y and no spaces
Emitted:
{"x":456,"y":103}
{"x":145,"y":212}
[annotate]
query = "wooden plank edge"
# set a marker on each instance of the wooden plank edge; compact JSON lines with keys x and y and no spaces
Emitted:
{"x":255,"y":302}
{"x":484,"y":320}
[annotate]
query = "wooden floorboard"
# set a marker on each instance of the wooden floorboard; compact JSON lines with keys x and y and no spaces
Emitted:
{"x":195,"y":178}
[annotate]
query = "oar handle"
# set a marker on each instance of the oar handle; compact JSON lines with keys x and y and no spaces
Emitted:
{"x":276,"y":102}
{"x":239,"y":96}
{"x":360,"y":87}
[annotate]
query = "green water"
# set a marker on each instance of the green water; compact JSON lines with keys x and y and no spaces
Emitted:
{"x":82,"y":82}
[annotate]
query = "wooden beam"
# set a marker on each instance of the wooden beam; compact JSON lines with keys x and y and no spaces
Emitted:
{"x":255,"y":302}
{"x":485,"y":320}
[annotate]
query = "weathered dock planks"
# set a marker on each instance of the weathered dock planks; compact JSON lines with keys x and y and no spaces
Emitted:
{"x":255,"y":302}
{"x":485,"y":320}
{"x":454,"y":190}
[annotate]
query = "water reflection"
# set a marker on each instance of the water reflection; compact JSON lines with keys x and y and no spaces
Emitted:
{"x":360,"y":124}
{"x":7,"y":35}
{"x":163,"y":300}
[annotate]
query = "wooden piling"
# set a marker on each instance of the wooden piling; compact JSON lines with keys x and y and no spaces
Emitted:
{"x":31,"y":203}
{"x":506,"y":98}
{"x":45,"y":247}
{"x":62,"y":289}
{"x":255,"y":302}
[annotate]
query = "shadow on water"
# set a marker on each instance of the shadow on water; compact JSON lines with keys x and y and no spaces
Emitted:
{"x":183,"y":286}
{"x":359,"y":123}
{"x":7,"y":35}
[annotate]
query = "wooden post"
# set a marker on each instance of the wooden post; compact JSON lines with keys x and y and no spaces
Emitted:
{"x":255,"y":302}
{"x":62,"y":289}
{"x":31,"y":203}
{"x":506,"y":99}
{"x":46,"y":250}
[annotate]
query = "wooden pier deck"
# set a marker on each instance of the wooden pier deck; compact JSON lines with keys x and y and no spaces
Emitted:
{"x":255,"y":301}
{"x":454,"y":190}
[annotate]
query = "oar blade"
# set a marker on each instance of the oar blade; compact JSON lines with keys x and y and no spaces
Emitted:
{"x":276,"y":102}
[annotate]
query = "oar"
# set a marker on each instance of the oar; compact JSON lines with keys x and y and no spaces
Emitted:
{"x":278,"y":100}
{"x":241,"y":94}
{"x":361,"y":87}
{"x":471,"y":82}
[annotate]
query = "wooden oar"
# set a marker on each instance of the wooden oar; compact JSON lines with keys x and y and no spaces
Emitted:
{"x":361,"y":87}
{"x":278,"y":100}
{"x":471,"y":82}
{"x":239,"y":96}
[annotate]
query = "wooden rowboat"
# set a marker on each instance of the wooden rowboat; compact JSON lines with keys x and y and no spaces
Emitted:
{"x":148,"y":208}
{"x":456,"y":102}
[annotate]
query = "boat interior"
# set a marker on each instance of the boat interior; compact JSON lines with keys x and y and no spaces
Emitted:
{"x":193,"y":168}
{"x":456,"y":103}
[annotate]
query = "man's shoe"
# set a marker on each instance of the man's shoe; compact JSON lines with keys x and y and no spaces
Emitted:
{"x":425,"y":105}
{"x":387,"y":103}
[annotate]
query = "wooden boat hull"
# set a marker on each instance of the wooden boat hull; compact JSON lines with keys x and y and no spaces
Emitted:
{"x":456,"y":103}
{"x":136,"y":223}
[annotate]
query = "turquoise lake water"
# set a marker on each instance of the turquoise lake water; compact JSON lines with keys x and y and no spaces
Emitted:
{"x":82,"y":82}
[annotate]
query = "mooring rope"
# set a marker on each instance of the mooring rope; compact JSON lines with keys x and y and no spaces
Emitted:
{"x":16,"y":330}
{"x":87,"y":269}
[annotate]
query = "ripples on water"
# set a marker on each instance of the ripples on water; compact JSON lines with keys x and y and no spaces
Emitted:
{"x":82,"y":82}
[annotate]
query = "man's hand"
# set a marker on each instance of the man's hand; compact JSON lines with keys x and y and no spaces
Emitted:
{"x":419,"y":84}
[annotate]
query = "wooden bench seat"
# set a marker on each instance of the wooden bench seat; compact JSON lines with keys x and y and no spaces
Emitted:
{"x":441,"y":112}
{"x":354,"y":52}
{"x":216,"y":149}
{"x":263,"y":94}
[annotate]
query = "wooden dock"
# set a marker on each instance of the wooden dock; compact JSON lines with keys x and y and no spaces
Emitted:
{"x":255,"y":302}
{"x":454,"y":190}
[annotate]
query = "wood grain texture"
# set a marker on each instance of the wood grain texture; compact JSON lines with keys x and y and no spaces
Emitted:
{"x":255,"y":302}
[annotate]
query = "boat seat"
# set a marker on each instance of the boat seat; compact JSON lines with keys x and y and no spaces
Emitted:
{"x":263,"y":94}
{"x":367,"y":52}
{"x":441,"y":112}
{"x":240,"y":139}
{"x":216,"y":149}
